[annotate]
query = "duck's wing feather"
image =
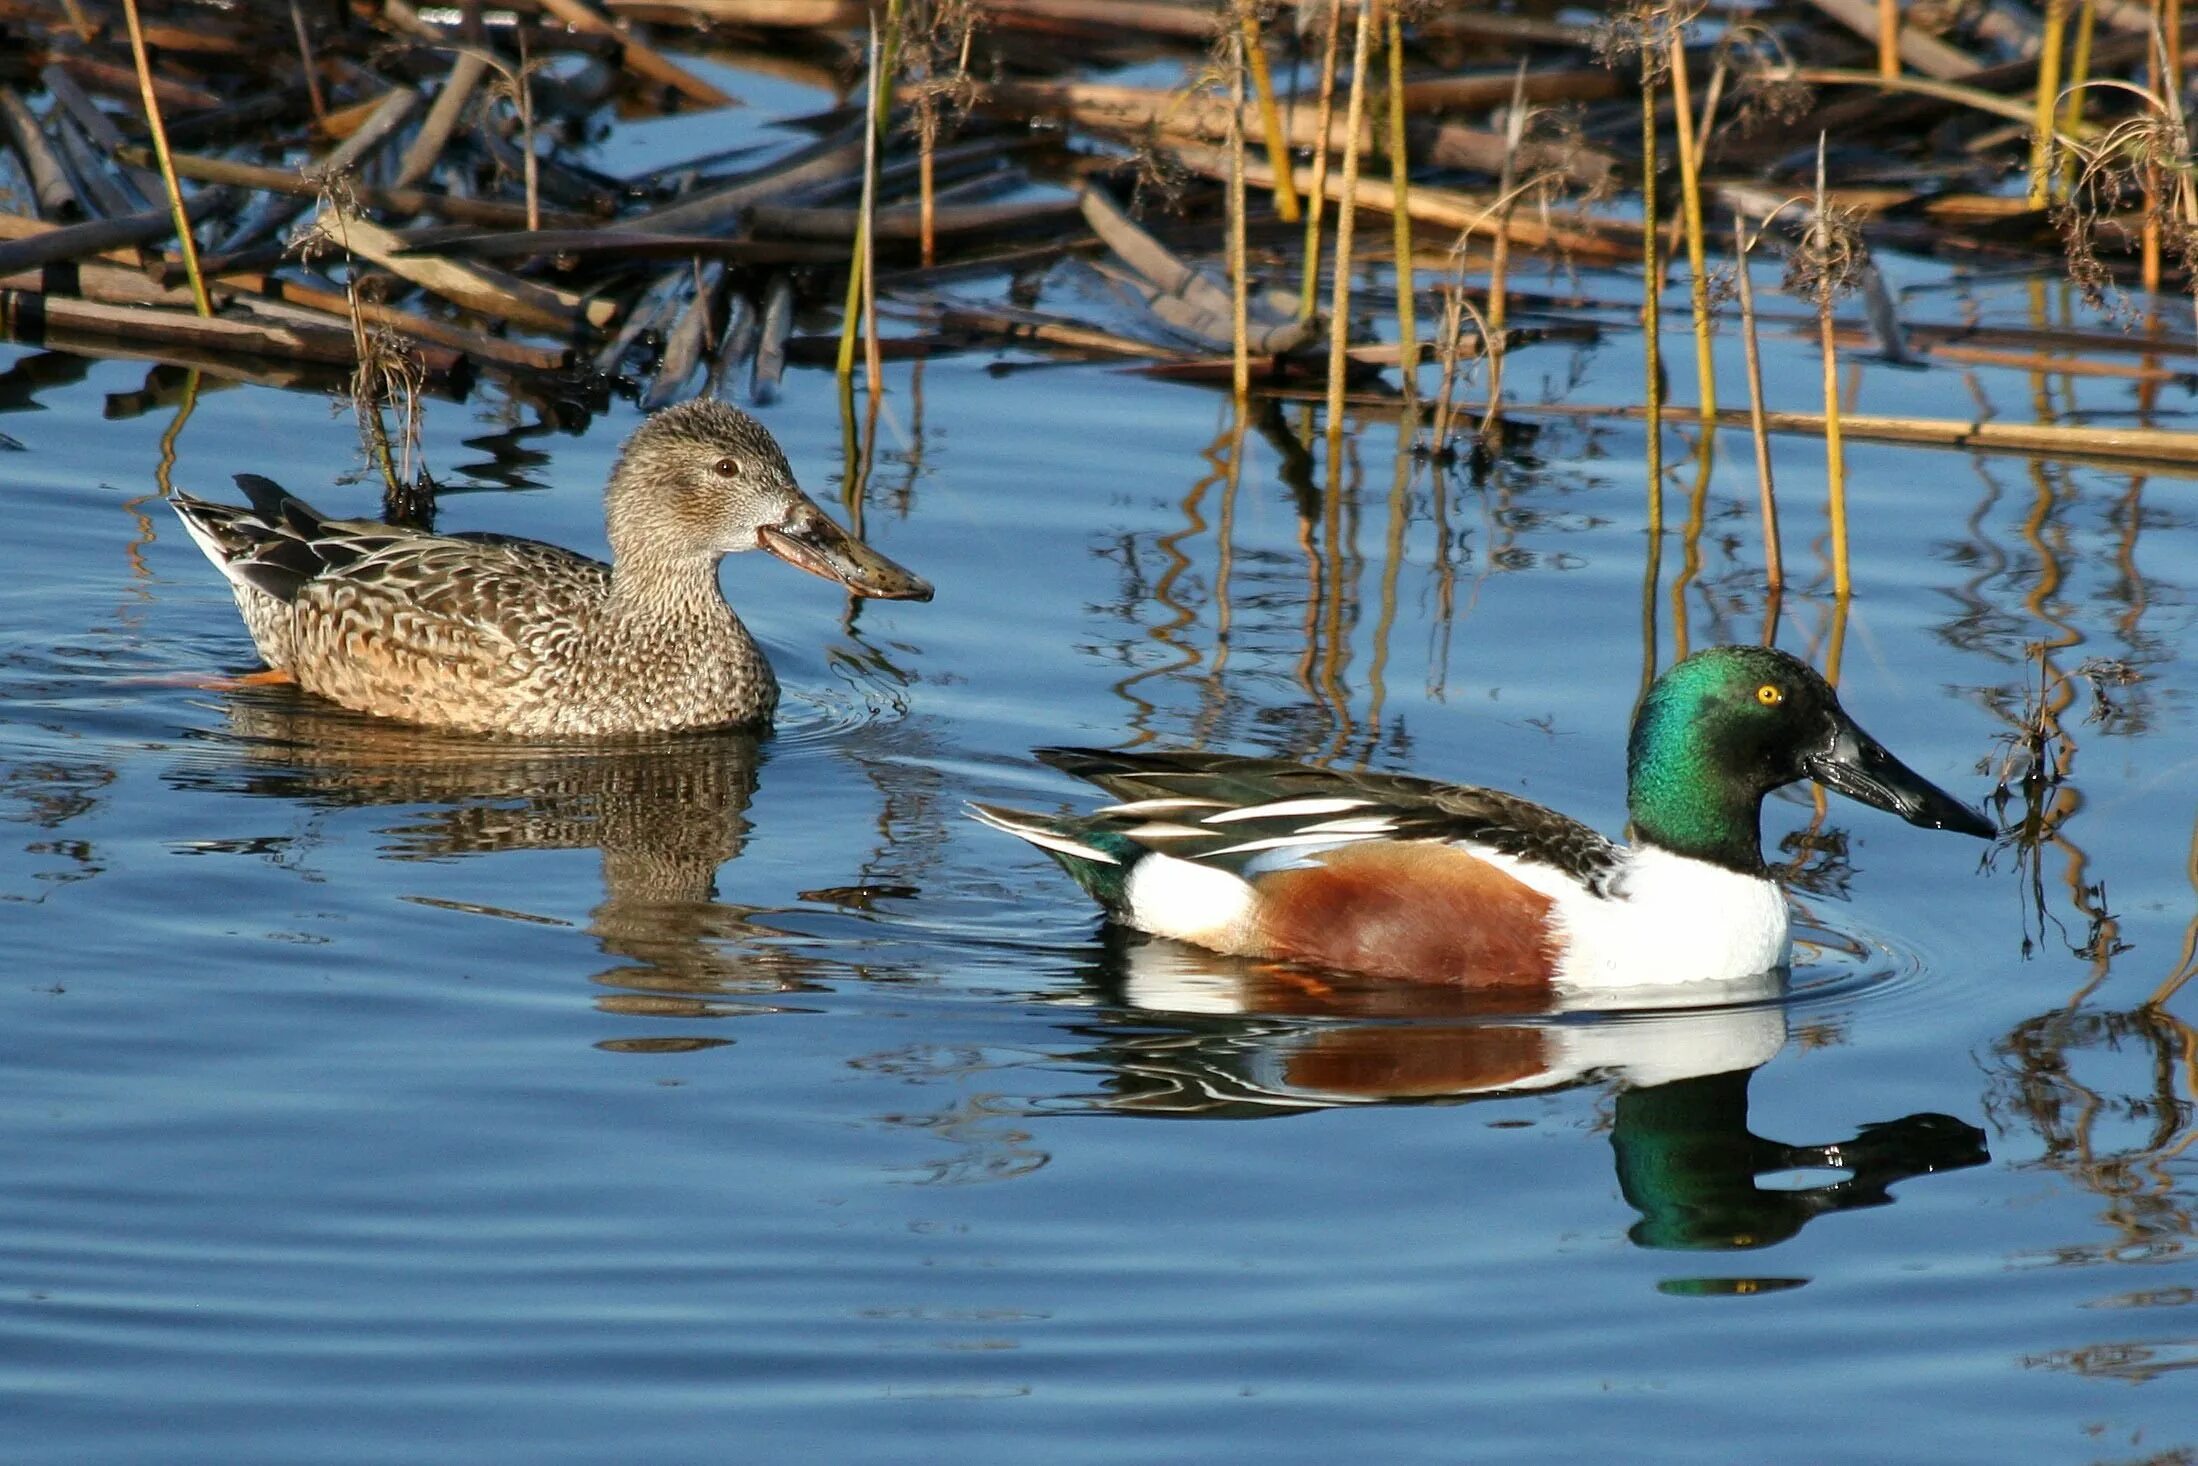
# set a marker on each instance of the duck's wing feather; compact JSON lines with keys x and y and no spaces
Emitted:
{"x":1234,"y":812}
{"x":408,"y":593}
{"x":278,"y":543}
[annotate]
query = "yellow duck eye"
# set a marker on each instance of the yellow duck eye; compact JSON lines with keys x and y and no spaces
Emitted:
{"x":1770,"y":695}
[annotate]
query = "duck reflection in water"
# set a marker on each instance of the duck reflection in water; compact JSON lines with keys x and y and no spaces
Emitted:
{"x":1250,"y":1039}
{"x":666,"y":813}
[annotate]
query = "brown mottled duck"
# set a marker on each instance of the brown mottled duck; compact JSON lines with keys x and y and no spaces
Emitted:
{"x":490,"y":633}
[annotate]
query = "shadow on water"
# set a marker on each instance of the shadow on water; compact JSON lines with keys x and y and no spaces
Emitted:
{"x":665,"y":813}
{"x":1221,"y":1038}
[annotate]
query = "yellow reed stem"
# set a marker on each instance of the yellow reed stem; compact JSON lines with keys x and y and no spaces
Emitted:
{"x":1239,"y":272}
{"x":2079,"y":72}
{"x":1774,"y":570}
{"x":1407,"y":276}
{"x":1493,"y":342}
{"x":1317,"y":198}
{"x":858,"y":267}
{"x":1270,"y":116}
{"x":1690,"y":192}
{"x":2049,"y":87}
{"x":189,"y":245}
{"x":1835,"y":456}
{"x":927,"y":199}
{"x":1651,"y":318}
{"x":1888,"y":38}
{"x":1339,"y":322}
{"x":2149,"y":235}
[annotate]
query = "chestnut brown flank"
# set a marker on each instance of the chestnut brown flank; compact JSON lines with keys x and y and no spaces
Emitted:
{"x":1417,"y":910}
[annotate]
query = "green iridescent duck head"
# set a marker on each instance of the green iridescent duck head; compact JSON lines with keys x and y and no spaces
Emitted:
{"x":1724,"y":727}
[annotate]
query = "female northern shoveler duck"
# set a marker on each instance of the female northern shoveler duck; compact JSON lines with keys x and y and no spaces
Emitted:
{"x":1399,"y":877}
{"x":494,"y":634}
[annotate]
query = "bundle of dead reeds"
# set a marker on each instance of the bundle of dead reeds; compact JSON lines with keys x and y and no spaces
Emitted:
{"x":362,"y":183}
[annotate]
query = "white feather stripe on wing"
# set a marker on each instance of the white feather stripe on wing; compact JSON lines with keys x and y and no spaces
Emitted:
{"x":1160,"y":806}
{"x":1044,"y":838}
{"x":1286,"y":809}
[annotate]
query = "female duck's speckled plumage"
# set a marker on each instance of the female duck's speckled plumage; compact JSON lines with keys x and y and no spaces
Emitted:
{"x":495,"y":634}
{"x":1398,"y":877}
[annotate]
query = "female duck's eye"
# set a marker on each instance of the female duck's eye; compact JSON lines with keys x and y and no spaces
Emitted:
{"x":1770,"y":695}
{"x":725,"y":468}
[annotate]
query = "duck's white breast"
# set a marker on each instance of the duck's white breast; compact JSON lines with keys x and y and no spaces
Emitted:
{"x":1669,"y":920}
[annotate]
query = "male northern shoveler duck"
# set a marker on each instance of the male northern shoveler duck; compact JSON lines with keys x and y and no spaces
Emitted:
{"x":495,"y":634}
{"x":1398,"y":877}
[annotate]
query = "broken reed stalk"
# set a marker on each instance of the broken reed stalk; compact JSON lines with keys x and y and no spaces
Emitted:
{"x":1774,"y":570}
{"x":1240,"y":324}
{"x":1278,"y":146}
{"x":1339,"y":322}
{"x":2106,"y":446}
{"x":1698,"y":275}
{"x":1888,"y":38}
{"x":1651,"y":322}
{"x":1317,"y":198}
{"x":167,"y":163}
{"x":2049,"y":92}
{"x":1400,"y":183}
{"x":1835,"y":457}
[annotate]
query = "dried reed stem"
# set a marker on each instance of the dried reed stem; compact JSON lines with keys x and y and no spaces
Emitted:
{"x":1317,"y":198}
{"x":1448,"y":333}
{"x":167,"y":163}
{"x":1835,"y":457}
{"x":1263,"y":86}
{"x":2049,"y":91}
{"x":305,"y":59}
{"x":2156,"y":72}
{"x":1690,"y":190}
{"x":1774,"y":568}
{"x":1339,"y":323}
{"x":927,"y":128}
{"x":853,"y":313}
{"x":2079,"y":77}
{"x":522,"y":93}
{"x":1651,"y":321}
{"x":1240,"y":326}
{"x":1888,"y":37}
{"x":1450,"y":344}
{"x":1493,"y":341}
{"x":1407,"y":276}
{"x":873,"y":366}
{"x":927,"y":205}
